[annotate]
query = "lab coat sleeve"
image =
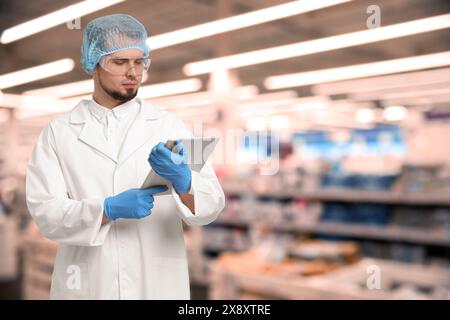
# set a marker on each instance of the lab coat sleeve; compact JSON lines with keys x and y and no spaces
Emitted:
{"x":59,"y":218}
{"x":209,"y":198}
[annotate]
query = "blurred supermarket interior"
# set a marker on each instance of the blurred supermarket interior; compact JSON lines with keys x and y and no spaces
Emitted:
{"x":338,"y":117}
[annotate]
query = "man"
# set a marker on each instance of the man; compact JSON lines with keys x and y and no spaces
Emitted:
{"x":117,"y":241}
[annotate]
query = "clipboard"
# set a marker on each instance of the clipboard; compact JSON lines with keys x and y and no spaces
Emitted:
{"x":198,"y":151}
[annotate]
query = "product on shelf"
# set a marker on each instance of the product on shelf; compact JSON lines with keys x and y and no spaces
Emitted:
{"x":402,"y":252}
{"x":426,"y":218}
{"x":302,"y":212}
{"x":219,"y":239}
{"x":366,"y":279}
{"x":39,"y":258}
{"x":8,"y":248}
{"x":281,"y":254}
{"x":296,"y":178}
{"x":405,"y":179}
{"x":382,"y":279}
{"x":423,"y":225}
{"x":360,"y":213}
{"x":415,"y":178}
{"x":358,"y":181}
{"x":401,"y":210}
{"x":442,"y":218}
{"x":284,"y":212}
{"x":340,"y":252}
{"x":249,"y":261}
{"x":292,"y":178}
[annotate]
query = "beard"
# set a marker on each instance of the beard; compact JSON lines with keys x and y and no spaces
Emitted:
{"x":116,"y":95}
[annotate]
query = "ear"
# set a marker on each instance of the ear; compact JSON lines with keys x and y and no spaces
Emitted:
{"x":96,"y":73}
{"x":95,"y":76}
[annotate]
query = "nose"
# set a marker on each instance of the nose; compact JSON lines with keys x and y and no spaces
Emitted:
{"x":132,"y":71}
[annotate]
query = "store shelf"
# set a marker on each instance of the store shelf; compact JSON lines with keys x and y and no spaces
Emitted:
{"x":329,"y":195}
{"x":229,"y":282}
{"x":430,"y":237}
{"x":220,"y":248}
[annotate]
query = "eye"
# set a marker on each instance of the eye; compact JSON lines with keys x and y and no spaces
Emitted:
{"x":119,"y":61}
{"x":139,"y":61}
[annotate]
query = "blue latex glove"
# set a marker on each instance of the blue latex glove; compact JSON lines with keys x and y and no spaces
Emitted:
{"x":131,"y":204}
{"x":172,"y":166}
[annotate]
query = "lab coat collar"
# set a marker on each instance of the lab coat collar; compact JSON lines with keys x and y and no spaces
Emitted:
{"x":120,"y":112}
{"x":81,"y":114}
{"x":140,"y":131}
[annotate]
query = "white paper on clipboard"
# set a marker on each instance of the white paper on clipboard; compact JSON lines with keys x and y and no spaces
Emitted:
{"x":198,"y":151}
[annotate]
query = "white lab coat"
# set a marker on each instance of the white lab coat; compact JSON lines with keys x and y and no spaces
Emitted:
{"x":71,"y":171}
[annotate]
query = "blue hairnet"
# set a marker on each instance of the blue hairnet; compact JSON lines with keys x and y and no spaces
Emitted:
{"x":109,"y":34}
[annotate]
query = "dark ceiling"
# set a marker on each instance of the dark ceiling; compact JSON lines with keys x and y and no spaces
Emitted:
{"x":163,"y":16}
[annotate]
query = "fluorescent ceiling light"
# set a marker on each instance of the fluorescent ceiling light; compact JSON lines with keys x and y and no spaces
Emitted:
{"x":279,"y":122}
{"x":33,"y":103}
{"x":75,"y":100}
{"x":204,"y":98}
{"x":269,"y":99}
{"x":50,"y":104}
{"x":246,"y":92}
{"x":396,"y":81}
{"x":36,"y":73}
{"x":64,"y":90}
{"x":197,"y":118}
{"x":319,"y":45}
{"x":365,"y":115}
{"x":191,"y":113}
{"x":169,"y":88}
{"x":153,"y":90}
{"x":359,"y":71}
{"x":282,"y":110}
{"x":69,"y":89}
{"x":395,"y":113}
{"x":256,"y":124}
{"x":22,"y":114}
{"x":54,"y":18}
{"x":270,"y":103}
{"x":418,"y":93}
{"x":271,"y":96}
{"x":238,"y":22}
{"x":412,"y":90}
{"x":283,"y":106}
{"x":423,"y":100}
{"x":27,"y":106}
{"x":331,"y":123}
{"x":186,"y":104}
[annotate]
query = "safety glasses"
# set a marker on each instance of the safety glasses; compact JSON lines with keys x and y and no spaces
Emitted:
{"x":121,"y":65}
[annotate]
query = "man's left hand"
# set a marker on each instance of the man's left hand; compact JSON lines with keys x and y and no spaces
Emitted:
{"x":172,"y":166}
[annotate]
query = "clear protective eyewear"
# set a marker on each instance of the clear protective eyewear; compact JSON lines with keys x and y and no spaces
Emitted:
{"x":121,"y":65}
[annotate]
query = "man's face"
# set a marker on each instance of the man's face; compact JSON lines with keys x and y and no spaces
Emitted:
{"x":121,"y":87}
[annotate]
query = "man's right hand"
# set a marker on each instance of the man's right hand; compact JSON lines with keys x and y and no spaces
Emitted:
{"x":131,"y":204}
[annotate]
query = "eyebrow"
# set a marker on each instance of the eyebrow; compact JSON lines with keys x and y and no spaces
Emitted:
{"x":125,"y":57}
